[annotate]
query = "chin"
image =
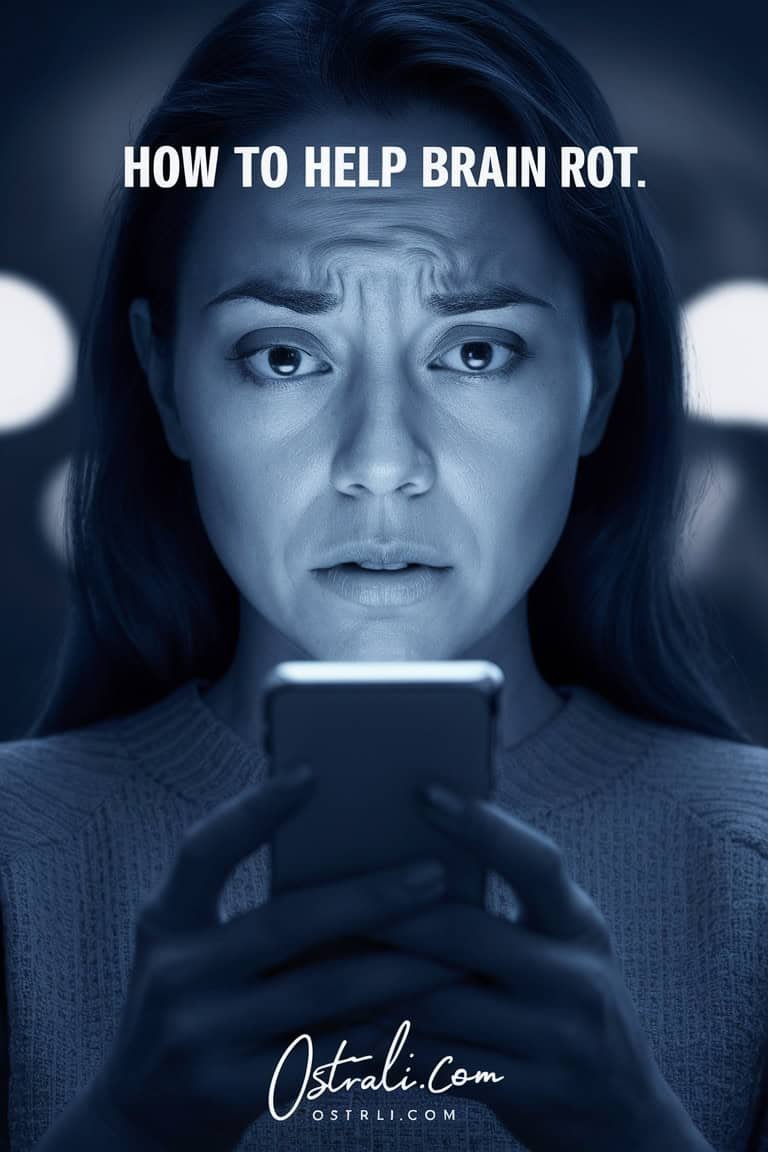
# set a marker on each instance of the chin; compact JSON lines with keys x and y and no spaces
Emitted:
{"x":385,"y":640}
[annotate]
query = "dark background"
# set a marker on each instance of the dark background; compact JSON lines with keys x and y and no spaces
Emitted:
{"x":687,"y":82}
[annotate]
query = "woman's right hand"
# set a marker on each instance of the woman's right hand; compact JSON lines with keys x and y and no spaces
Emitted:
{"x":211,"y":1006}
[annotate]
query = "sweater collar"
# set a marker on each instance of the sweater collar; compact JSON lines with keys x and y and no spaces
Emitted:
{"x":583,"y":749}
{"x":588,"y":743}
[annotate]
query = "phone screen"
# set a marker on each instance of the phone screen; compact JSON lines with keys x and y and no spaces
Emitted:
{"x":373,"y":734}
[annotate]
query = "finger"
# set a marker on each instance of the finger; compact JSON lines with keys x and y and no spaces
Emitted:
{"x":474,"y":1014}
{"x":287,"y":1071}
{"x":474,"y":941}
{"x":288,"y":925}
{"x":507,"y":1085}
{"x":531,"y":863}
{"x":244,"y":1082}
{"x":213,"y":847}
{"x":307,"y":997}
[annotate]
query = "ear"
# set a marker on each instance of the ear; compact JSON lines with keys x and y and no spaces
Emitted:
{"x":157,"y":369}
{"x":610,"y":354}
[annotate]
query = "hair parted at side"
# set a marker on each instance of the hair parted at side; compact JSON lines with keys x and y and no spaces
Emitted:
{"x":152,"y":606}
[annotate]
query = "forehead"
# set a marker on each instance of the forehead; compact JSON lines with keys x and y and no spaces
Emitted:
{"x":435,"y":239}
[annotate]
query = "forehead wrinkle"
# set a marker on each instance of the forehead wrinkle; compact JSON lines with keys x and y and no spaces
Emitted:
{"x":324,"y":249}
{"x":372,"y":199}
{"x":424,"y":232}
{"x":439,"y":262}
{"x":426,"y":280}
{"x":321,"y":270}
{"x":434,"y":269}
{"x":451,"y":266}
{"x":322,"y":256}
{"x":427,"y":240}
{"x":438,"y":270}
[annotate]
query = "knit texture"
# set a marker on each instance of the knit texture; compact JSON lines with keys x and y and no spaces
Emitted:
{"x":666,"y":830}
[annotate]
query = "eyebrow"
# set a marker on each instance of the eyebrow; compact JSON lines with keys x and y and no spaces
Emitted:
{"x":309,"y":302}
{"x":268,"y":292}
{"x":482,"y":300}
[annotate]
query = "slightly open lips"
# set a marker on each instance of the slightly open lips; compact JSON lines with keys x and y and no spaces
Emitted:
{"x":374,"y":566}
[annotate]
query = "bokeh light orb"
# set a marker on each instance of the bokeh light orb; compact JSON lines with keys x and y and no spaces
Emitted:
{"x":726,"y":352}
{"x":38,"y":349}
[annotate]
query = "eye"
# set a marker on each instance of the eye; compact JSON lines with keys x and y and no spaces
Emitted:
{"x":281,"y":361}
{"x":271,"y":355}
{"x":480,"y":356}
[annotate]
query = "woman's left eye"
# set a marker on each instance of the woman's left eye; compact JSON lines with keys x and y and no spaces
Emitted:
{"x":477,"y":356}
{"x":283,"y":361}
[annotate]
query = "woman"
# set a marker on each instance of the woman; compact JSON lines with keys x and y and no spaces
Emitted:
{"x":286,"y":386}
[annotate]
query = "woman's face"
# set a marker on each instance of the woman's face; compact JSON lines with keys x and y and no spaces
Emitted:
{"x":380,"y":377}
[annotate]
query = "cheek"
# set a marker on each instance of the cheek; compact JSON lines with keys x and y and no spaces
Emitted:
{"x":530,"y":472}
{"x":239,"y":476}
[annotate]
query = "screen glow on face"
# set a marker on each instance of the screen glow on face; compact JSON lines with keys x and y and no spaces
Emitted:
{"x":382,"y":397}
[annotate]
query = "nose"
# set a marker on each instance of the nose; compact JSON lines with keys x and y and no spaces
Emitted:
{"x":381,"y":447}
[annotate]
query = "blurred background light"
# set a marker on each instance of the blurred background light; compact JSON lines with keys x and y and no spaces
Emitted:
{"x":52,"y":510}
{"x":37,"y":354}
{"x":727,"y":353}
{"x":714,"y":486}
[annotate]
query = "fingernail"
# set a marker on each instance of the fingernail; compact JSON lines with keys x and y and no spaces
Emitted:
{"x":428,"y":874}
{"x":444,"y":800}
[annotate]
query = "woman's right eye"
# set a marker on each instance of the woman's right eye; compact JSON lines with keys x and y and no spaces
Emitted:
{"x":282,"y":362}
{"x":277,"y":354}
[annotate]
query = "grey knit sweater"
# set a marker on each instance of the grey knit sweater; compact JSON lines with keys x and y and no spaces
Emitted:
{"x":667,"y":831}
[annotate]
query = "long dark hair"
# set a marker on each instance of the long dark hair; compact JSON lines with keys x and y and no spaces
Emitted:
{"x":152,"y":606}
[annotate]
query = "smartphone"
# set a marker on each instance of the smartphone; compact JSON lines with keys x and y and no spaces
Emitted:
{"x":373,"y":733}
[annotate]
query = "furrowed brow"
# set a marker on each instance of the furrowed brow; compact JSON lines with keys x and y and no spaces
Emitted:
{"x":302,"y":300}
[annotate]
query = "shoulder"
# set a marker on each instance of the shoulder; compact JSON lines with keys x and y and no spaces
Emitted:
{"x":173,"y":752}
{"x":721,"y":783}
{"x":49,"y":786}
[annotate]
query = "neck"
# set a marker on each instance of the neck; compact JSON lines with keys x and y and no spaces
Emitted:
{"x":528,"y":702}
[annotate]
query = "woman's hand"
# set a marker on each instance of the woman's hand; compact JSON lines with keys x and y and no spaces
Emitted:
{"x":548,"y":1011}
{"x":211,"y":1005}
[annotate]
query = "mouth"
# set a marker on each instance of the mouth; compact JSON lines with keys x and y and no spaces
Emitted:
{"x":376,"y":584}
{"x":375,"y":566}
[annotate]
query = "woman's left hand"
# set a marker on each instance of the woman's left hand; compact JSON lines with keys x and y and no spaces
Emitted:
{"x":550,"y":1011}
